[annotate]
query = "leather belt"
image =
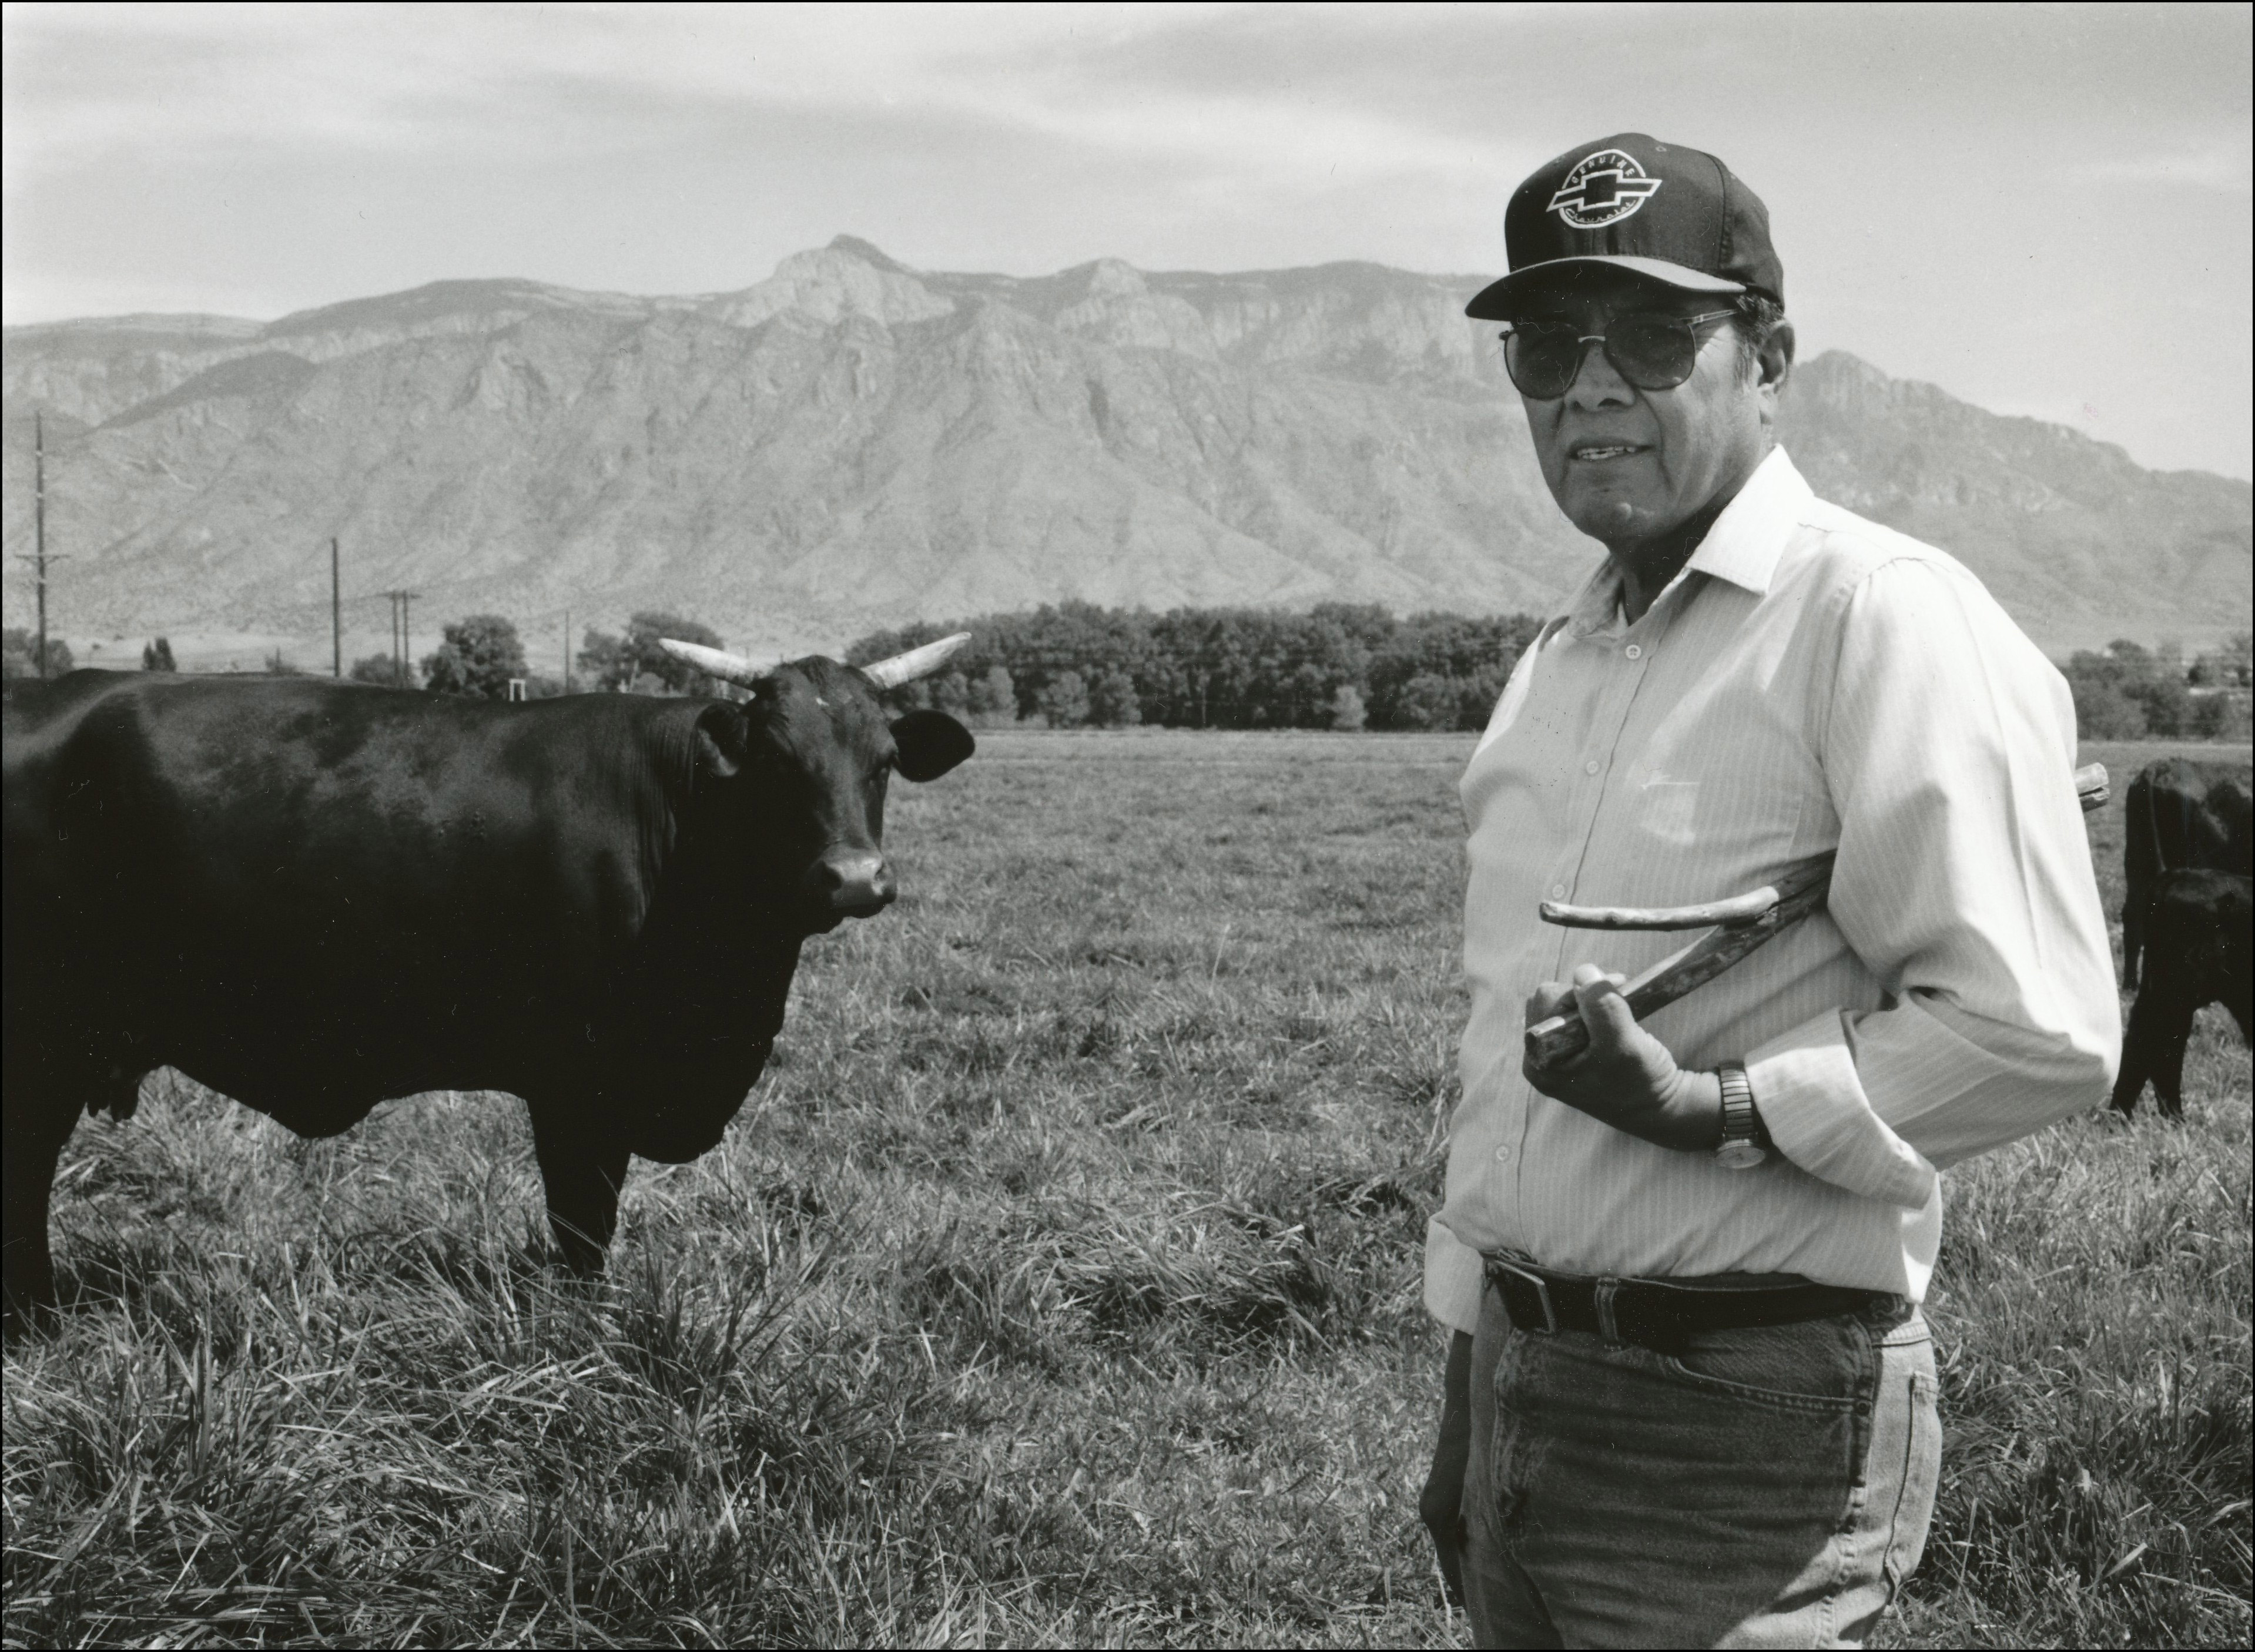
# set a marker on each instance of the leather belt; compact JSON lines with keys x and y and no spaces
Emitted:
{"x":1654,"y":1314}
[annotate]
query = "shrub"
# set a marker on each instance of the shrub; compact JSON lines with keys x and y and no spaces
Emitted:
{"x":950,"y":692}
{"x":19,"y":654}
{"x":477,"y":659}
{"x":2221,"y":714}
{"x":1111,"y":700}
{"x":2103,"y":712}
{"x":1063,"y":701}
{"x":993,"y":698}
{"x":379,"y":669}
{"x":617,"y":662}
{"x":157,"y":655}
{"x":1428,"y":700}
{"x":2168,"y":704}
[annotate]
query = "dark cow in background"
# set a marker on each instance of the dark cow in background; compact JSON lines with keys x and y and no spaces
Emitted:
{"x":313,"y":896}
{"x":2199,"y":937}
{"x":2179,"y":812}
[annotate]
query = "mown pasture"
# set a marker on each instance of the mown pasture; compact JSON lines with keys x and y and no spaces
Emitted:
{"x":1059,"y":1285}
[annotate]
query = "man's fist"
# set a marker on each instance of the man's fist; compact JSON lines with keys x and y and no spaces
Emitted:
{"x":1626,"y":1078}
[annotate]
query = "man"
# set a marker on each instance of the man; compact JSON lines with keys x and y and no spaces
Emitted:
{"x":1690,"y":1401}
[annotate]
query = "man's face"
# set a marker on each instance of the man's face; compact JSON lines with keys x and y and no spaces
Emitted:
{"x":1627,"y":465}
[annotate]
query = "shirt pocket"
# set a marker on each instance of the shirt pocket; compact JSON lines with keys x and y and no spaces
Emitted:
{"x":1746,"y":821}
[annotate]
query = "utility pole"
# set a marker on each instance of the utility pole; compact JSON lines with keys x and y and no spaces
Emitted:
{"x":567,"y":651}
{"x":336,"y":616}
{"x":39,"y":558}
{"x":402,"y":645}
{"x":40,"y":524}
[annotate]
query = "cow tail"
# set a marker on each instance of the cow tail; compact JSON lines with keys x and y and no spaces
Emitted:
{"x":2141,"y":855}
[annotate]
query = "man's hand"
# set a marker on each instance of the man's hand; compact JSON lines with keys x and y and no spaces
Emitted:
{"x":1441,"y":1506}
{"x":1626,"y":1078}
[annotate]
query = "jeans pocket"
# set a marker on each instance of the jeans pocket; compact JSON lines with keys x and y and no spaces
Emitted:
{"x":1816,"y":1365}
{"x":1921,"y":1467}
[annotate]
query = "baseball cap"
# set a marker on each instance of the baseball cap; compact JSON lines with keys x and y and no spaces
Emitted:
{"x":1677,"y":215}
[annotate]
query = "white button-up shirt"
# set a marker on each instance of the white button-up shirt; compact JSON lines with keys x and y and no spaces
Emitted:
{"x":1810,"y":681}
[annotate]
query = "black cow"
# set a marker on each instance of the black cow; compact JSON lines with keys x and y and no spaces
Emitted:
{"x":314,"y":895}
{"x":2199,"y":932}
{"x":2179,"y":812}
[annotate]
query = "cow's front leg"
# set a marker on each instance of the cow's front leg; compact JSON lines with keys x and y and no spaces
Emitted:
{"x":36,"y":1129}
{"x":583,"y":1166}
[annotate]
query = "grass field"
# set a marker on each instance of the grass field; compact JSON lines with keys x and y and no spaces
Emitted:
{"x":1059,"y":1285}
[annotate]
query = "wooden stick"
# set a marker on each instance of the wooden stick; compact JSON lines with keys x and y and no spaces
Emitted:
{"x":1739,"y":908}
{"x":1799,"y":893}
{"x":1741,"y":925}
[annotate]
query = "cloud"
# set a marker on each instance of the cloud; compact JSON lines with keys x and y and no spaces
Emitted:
{"x":1938,"y":175}
{"x":2222,"y":169}
{"x":85,"y":82}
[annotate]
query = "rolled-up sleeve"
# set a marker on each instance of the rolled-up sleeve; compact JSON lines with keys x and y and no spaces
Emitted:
{"x":1963,"y":881}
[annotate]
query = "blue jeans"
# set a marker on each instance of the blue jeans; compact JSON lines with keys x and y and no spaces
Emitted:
{"x":1761,"y":1487}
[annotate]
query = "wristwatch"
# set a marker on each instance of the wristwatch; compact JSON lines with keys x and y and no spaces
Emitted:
{"x":1745,"y":1143}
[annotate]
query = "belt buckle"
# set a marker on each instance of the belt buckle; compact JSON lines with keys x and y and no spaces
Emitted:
{"x":1542,"y":1292}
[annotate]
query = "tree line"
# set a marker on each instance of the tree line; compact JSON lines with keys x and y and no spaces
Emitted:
{"x":1071,"y":666}
{"x":1339,"y":665}
{"x":2129,"y":692}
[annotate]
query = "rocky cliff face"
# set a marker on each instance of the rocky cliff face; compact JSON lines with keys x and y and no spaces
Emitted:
{"x":853,"y":443}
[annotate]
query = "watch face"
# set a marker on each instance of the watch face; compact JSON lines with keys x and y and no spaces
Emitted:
{"x":1738,"y":1156}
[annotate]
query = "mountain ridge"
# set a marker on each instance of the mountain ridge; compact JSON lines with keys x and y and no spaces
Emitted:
{"x":853,"y":443}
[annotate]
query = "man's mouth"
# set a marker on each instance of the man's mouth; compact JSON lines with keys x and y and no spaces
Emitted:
{"x":1599,"y":452}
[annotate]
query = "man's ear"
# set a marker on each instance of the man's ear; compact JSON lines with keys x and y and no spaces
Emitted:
{"x":1777,"y":357}
{"x":1772,"y":367}
{"x":930,"y":744}
{"x":720,"y":741}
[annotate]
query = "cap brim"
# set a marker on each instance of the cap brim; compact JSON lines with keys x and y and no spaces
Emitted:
{"x":1494,"y":302}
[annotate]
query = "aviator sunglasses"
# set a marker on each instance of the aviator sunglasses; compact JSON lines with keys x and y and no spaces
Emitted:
{"x":1652,"y":352}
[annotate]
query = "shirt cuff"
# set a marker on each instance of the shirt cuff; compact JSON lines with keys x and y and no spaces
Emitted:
{"x":1455,"y":1277}
{"x":1813,"y":1104}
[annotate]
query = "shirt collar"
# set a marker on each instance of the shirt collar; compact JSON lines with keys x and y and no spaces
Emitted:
{"x":1746,"y":540}
{"x":1742,"y":545}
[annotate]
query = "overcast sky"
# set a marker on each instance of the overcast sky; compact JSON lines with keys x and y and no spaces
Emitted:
{"x":2045,"y":209}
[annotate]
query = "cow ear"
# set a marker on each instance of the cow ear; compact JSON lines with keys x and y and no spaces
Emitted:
{"x":930,"y":744}
{"x":720,"y":743}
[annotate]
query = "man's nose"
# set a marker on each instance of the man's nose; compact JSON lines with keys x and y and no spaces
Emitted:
{"x":852,"y":883}
{"x":1596,"y":382}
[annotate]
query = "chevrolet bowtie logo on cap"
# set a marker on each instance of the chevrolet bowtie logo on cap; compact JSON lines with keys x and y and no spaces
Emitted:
{"x":1602,"y":188}
{"x":1634,"y":204}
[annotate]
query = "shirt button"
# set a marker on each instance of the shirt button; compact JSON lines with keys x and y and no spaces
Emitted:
{"x":1591,"y":766}
{"x":1503,"y":1153}
{"x":1557,"y":891}
{"x":1633,"y":651}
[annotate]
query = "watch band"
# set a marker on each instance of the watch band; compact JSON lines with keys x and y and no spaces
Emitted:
{"x":1745,"y":1142}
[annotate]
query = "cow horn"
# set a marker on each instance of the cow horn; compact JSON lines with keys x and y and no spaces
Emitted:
{"x":918,"y":662}
{"x":732,"y":668}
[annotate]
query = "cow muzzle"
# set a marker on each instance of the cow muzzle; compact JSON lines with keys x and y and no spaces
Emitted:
{"x":852,"y":883}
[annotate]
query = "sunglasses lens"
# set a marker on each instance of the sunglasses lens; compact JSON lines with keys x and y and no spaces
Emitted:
{"x":1650,"y":352}
{"x":1543,"y":358}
